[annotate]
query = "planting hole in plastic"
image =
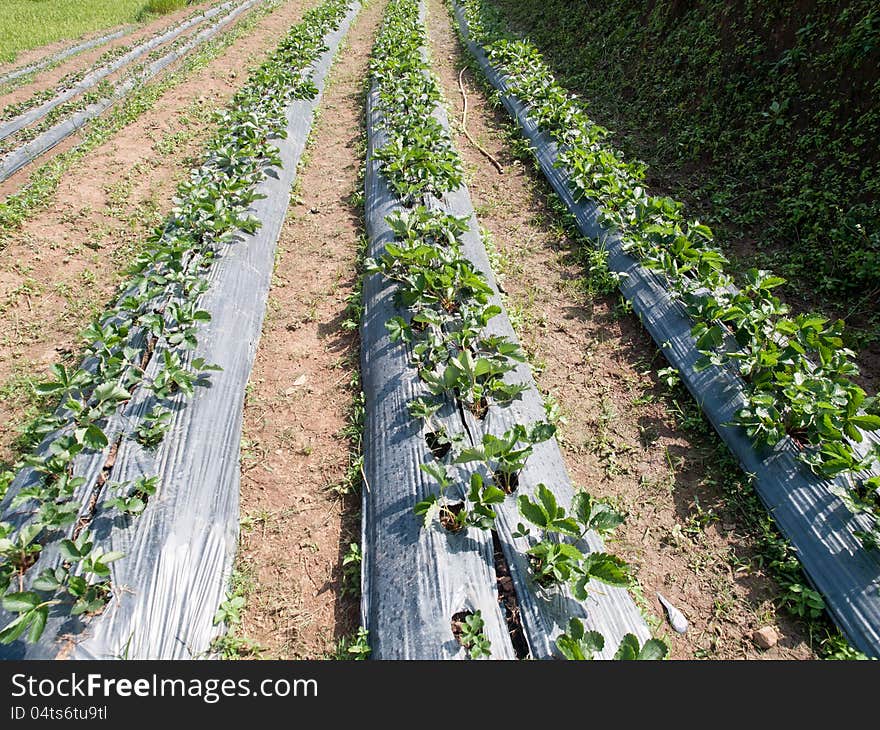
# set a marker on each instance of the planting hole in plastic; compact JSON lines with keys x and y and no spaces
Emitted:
{"x":448,"y":514}
{"x":507,"y":481}
{"x":438,"y":444}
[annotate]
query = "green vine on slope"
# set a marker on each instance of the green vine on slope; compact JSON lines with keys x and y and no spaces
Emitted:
{"x":796,"y":372}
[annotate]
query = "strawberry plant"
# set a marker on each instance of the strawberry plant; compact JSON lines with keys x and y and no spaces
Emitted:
{"x":138,"y":493}
{"x":552,"y":560}
{"x":651,"y":650}
{"x":153,"y":427}
{"x":502,"y":456}
{"x":577,"y":644}
{"x":473,"y":509}
{"x":468,"y":627}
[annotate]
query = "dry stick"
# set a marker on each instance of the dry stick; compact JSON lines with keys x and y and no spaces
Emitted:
{"x":465,"y":129}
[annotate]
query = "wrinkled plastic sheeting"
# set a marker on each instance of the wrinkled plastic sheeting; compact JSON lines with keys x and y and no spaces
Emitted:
{"x":414,"y":579}
{"x":92,"y":79}
{"x":179,"y":552}
{"x":806,"y":510}
{"x":66,"y":53}
{"x":27,"y":153}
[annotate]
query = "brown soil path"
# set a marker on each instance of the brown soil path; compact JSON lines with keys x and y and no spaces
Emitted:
{"x":621,"y":440}
{"x":63,"y":266}
{"x":296,"y":525}
{"x":49,"y":78}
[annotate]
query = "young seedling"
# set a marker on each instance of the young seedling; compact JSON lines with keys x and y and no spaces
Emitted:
{"x":552,"y":560}
{"x":351,"y":570}
{"x":475,"y":381}
{"x":19,"y":551}
{"x":475,"y":510}
{"x":652,"y":650}
{"x":468,"y":628}
{"x":503,"y":456}
{"x":152,"y":429}
{"x":135,"y":502}
{"x":578,"y":644}
{"x":439,"y":440}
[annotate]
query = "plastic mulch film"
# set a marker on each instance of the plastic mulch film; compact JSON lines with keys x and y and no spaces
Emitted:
{"x":179,"y":552}
{"x":416,"y":578}
{"x":27,"y":153}
{"x":805,"y":508}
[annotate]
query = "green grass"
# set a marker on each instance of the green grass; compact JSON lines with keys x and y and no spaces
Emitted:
{"x":763,"y":118}
{"x":26,"y":24}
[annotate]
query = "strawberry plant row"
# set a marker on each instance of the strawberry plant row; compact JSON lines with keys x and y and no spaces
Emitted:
{"x":133,"y":494}
{"x":459,"y":449}
{"x":29,"y":116}
{"x":776,"y":387}
{"x":58,"y":132}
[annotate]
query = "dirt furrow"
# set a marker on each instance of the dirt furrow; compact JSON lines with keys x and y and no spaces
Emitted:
{"x":300,"y":510}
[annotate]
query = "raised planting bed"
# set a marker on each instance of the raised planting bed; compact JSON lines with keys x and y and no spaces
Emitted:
{"x":119,"y":532}
{"x":777,"y":388}
{"x":475,"y":542}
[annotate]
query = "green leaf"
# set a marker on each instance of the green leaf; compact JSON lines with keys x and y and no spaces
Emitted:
{"x":15,"y":628}
{"x":69,"y":551}
{"x":866,"y":422}
{"x":38,"y":618}
{"x":606,"y":568}
{"x":94,"y":438}
{"x":429,"y":509}
{"x":542,"y":431}
{"x":493,"y":495}
{"x":548,"y":501}
{"x":436,"y":470}
{"x":629,"y":648}
{"x":22,"y":601}
{"x":533,"y":512}
{"x":653,"y":650}
{"x":566,"y":525}
{"x":582,"y":507}
{"x":605,"y":518}
{"x":47,"y":581}
{"x":111,"y":556}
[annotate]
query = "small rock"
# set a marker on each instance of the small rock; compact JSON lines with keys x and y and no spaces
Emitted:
{"x":765,"y":638}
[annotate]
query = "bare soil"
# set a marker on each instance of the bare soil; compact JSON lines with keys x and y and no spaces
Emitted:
{"x":296,"y":526}
{"x":622,"y":439}
{"x":65,"y":263}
